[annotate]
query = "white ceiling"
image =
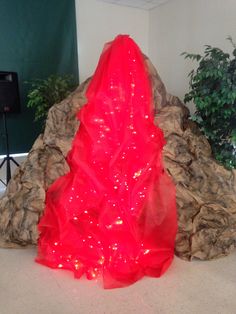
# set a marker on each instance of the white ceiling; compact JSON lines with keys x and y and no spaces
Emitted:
{"x":141,"y":4}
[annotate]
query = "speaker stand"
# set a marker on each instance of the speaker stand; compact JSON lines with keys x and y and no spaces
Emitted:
{"x":8,"y":159}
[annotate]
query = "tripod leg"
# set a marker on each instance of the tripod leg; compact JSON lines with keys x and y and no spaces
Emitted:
{"x":8,"y":158}
{"x":15,"y":162}
{"x":2,"y":163}
{"x":8,"y":170}
{"x":3,"y":182}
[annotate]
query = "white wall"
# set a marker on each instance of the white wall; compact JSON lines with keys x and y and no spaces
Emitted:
{"x":99,"y":22}
{"x":187,"y":25}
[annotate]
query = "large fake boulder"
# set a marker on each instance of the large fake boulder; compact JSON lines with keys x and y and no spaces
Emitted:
{"x":206,"y":191}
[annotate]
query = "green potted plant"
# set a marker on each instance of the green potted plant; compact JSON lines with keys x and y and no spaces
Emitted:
{"x":213,"y":91}
{"x":44,"y":93}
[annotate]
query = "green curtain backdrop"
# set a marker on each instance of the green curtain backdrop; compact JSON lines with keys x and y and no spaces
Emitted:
{"x":37,"y":39}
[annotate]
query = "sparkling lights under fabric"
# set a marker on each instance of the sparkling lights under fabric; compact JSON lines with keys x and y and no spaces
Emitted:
{"x":113,"y":215}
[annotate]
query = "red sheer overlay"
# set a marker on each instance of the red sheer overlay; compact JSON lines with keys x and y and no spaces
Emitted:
{"x":113,"y":216}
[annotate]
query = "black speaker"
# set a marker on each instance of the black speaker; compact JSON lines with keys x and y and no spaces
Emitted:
{"x":9,"y":92}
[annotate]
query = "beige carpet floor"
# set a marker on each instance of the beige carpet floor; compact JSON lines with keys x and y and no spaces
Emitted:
{"x":187,"y":288}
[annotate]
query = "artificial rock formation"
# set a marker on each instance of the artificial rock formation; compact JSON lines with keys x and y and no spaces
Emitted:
{"x":206,"y":191}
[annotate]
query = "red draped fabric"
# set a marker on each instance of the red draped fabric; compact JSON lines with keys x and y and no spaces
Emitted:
{"x":113,"y":215}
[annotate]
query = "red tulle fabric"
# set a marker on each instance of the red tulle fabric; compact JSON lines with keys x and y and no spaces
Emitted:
{"x":113,"y":216}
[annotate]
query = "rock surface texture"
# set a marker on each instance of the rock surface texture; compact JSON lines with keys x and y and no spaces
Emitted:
{"x":206,"y":191}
